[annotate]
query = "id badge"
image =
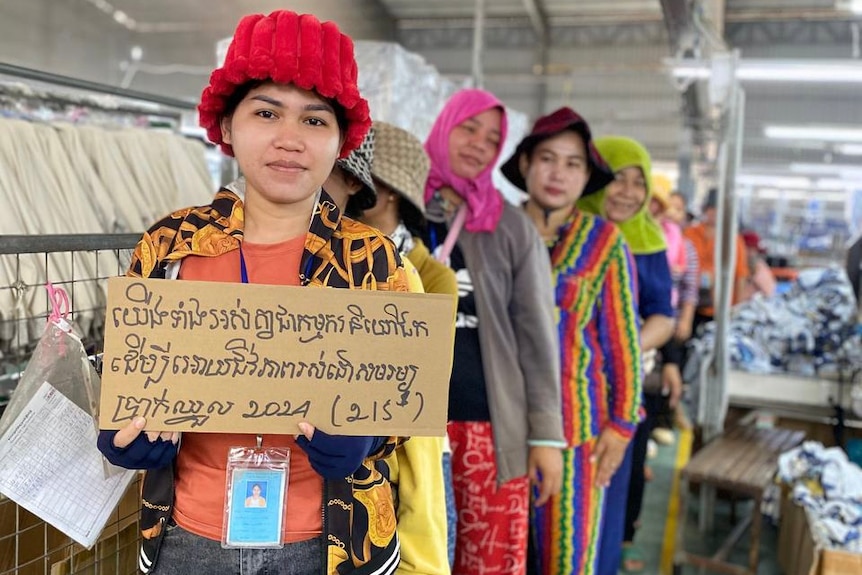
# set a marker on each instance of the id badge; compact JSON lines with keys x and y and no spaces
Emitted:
{"x":256,"y":492}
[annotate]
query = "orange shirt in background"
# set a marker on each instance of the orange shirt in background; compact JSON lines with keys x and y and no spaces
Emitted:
{"x":202,"y":459}
{"x":704,"y":245}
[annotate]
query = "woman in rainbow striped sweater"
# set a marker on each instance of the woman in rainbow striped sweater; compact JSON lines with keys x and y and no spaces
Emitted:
{"x":595,"y":289}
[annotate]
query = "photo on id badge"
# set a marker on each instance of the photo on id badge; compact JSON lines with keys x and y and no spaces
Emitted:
{"x":255,"y":509}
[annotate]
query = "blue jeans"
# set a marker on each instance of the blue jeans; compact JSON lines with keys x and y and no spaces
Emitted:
{"x":183,"y":552}
{"x":451,"y":512}
{"x":616,"y":497}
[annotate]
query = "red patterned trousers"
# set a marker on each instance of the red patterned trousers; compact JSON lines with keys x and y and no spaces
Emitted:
{"x":493,"y":522}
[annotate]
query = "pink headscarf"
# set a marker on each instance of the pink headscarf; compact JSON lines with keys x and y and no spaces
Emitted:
{"x":484,"y":202}
{"x":675,"y":245}
{"x":676,"y":258}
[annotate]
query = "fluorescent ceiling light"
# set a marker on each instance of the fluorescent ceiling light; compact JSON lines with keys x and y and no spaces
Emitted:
{"x":854,"y":6}
{"x":755,"y":180}
{"x":822,"y":195}
{"x":818,"y":72}
{"x":832,"y":184}
{"x":693,"y":71}
{"x":821,"y":133}
{"x":775,"y":70}
{"x":844,"y":171}
{"x":849,"y":149}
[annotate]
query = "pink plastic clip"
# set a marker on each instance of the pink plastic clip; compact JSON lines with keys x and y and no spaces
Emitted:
{"x":59,"y":305}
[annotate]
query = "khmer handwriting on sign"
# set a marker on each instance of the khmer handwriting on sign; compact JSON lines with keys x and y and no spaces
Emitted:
{"x":150,"y":310}
{"x":240,"y":358}
{"x":196,"y":413}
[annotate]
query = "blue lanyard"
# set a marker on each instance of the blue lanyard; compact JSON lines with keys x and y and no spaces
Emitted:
{"x":243,"y":271}
{"x":432,"y":231}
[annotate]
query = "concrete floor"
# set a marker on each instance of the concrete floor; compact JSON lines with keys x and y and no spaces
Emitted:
{"x":650,"y":537}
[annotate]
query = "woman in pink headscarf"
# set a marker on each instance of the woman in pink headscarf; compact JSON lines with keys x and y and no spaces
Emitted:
{"x":505,"y":425}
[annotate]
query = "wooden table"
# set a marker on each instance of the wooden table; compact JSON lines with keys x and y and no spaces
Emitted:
{"x":743,"y":461}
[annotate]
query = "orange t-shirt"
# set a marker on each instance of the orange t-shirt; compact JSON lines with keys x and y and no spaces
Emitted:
{"x":202,"y":459}
{"x":704,"y":245}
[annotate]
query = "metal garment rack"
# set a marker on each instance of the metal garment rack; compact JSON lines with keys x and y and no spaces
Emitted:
{"x":54,"y":243}
{"x":88,"y":86}
{"x":15,"y":244}
{"x":71,"y":244}
{"x":60,"y":91}
{"x":27,"y":544}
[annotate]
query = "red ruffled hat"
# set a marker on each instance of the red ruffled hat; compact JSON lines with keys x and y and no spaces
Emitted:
{"x":288,"y":48}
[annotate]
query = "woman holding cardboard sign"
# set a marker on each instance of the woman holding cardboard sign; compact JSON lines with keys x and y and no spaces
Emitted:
{"x":286,"y":105}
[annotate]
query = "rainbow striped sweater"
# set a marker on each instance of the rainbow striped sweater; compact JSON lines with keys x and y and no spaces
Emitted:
{"x":596,"y":286}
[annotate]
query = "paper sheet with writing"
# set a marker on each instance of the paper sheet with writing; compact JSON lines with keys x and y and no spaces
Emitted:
{"x":49,"y":465}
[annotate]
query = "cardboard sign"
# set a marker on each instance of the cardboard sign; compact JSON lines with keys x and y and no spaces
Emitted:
{"x":240,"y":358}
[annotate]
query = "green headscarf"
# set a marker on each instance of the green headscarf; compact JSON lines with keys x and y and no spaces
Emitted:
{"x":642,"y":233}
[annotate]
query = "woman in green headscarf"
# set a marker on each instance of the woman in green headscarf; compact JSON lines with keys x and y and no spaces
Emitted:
{"x":625,"y":202}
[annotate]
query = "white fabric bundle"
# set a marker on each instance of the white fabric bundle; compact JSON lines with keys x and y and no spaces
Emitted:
{"x":70,"y":179}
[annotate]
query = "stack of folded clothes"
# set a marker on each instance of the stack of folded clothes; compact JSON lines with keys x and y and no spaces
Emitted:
{"x":829,"y":486}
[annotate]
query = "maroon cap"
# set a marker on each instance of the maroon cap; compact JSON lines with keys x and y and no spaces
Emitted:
{"x":549,"y":126}
{"x":752,"y":241}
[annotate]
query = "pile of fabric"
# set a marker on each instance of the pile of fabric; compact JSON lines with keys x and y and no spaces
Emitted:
{"x":808,"y":330}
{"x":830,"y":486}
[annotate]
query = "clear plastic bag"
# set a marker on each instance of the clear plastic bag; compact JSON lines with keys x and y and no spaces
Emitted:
{"x":61,"y":360}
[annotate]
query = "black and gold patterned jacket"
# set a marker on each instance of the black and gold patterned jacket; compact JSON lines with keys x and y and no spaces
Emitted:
{"x":358,"y":512}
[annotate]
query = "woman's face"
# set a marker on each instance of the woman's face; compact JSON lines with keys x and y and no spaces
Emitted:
{"x":557,"y":171}
{"x":255,"y":490}
{"x":340,"y":186}
{"x":625,"y":196}
{"x":474,"y":143}
{"x":384,"y":197}
{"x":286,"y":141}
{"x":656,"y":208}
{"x":676,"y":209}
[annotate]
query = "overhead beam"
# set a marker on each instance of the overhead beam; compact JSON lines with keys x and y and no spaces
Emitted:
{"x":742,"y":34}
{"x":678,"y":20}
{"x":522,"y":37}
{"x":519,"y":21}
{"x":478,"y":43}
{"x":675,"y":15}
{"x":785,"y":14}
{"x":715,"y":13}
{"x":539,"y":20}
{"x":797,"y":33}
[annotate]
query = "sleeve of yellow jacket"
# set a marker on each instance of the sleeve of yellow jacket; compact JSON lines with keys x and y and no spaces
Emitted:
{"x":414,"y":282}
{"x":416,"y":470}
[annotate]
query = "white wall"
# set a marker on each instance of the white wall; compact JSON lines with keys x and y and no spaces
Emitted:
{"x":73,"y":38}
{"x":361,"y":19}
{"x":65,"y":37}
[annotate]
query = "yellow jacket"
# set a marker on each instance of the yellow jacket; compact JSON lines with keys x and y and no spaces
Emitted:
{"x":416,"y":470}
{"x":436,"y":277}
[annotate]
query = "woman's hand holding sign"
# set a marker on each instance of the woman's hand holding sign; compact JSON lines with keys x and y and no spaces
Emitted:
{"x":336,"y":456}
{"x":132,"y":449}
